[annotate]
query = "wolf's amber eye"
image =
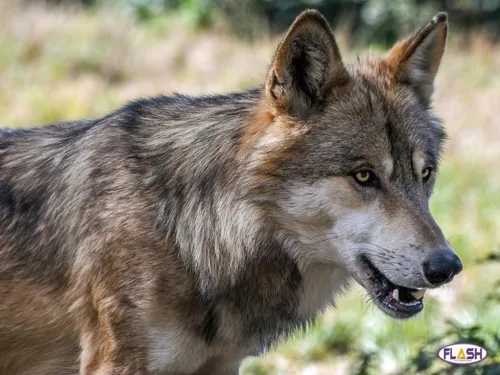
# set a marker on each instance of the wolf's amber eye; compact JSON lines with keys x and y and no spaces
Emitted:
{"x":365,"y":178}
{"x":426,"y":174}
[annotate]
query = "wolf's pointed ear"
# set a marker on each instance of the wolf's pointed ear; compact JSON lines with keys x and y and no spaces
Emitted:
{"x":416,"y":59}
{"x":307,"y":64}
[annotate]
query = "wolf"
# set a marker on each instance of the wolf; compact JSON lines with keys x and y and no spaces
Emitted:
{"x":178,"y":235}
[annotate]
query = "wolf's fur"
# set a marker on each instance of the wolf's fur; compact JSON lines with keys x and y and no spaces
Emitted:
{"x":178,"y":235}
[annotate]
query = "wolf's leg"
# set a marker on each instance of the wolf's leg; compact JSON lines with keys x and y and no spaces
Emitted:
{"x":111,"y":340}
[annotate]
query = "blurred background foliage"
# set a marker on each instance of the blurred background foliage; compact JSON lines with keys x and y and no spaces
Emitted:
{"x":365,"y":21}
{"x":67,"y":59}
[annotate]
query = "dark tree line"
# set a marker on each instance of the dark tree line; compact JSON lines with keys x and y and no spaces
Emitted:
{"x":366,"y":21}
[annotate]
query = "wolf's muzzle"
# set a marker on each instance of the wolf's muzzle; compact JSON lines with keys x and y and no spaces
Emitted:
{"x":441,"y":266}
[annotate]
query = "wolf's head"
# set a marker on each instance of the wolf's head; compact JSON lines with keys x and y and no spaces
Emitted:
{"x":350,"y":153}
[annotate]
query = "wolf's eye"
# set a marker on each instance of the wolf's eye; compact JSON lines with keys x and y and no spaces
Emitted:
{"x":365,"y":178}
{"x":426,"y":174}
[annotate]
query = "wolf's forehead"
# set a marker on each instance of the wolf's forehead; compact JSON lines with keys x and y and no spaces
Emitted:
{"x":374,"y":101}
{"x":371,"y":121}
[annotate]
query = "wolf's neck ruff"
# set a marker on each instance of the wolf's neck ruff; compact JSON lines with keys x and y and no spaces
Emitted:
{"x":215,"y":204}
{"x":198,"y":178}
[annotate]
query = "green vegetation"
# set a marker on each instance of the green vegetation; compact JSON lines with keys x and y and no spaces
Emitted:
{"x":369,"y":21}
{"x":67,"y":63}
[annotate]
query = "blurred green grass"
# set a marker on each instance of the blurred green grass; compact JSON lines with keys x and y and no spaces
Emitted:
{"x":63,"y":64}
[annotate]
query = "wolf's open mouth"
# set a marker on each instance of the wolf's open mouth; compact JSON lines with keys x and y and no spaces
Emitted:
{"x":397,"y":301}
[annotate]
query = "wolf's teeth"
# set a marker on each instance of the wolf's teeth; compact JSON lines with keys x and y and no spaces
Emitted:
{"x":395,"y":294}
{"x":419,"y":294}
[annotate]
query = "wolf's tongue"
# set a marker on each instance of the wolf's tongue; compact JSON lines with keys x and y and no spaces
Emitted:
{"x":419,"y":294}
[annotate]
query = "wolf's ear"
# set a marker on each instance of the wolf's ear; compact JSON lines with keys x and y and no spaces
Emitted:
{"x":416,"y":59}
{"x":307,"y":64}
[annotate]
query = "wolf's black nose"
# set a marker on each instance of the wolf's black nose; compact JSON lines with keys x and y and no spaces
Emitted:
{"x":441,"y":266}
